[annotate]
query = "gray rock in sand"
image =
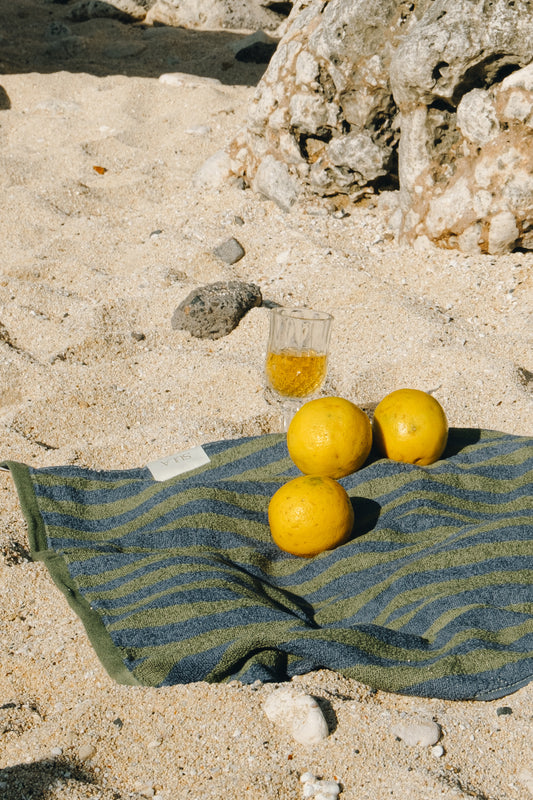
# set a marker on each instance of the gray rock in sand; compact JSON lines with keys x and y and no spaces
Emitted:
{"x":229,"y":251}
{"x":214,"y":310}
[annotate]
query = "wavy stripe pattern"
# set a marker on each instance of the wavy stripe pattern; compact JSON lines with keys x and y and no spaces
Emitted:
{"x":179,"y":581}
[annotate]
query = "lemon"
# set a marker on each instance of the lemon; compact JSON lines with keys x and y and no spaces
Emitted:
{"x":410,"y":425}
{"x":329,"y":436}
{"x":310,"y":514}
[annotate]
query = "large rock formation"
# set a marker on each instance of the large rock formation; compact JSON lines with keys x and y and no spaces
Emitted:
{"x":201,"y":14}
{"x":436,"y":95}
{"x":250,"y":14}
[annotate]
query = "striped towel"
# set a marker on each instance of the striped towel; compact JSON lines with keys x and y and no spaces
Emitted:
{"x":178,"y":580}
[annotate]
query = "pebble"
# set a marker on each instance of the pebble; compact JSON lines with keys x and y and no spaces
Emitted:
{"x":229,"y":251}
{"x":504,"y":711}
{"x":273,"y":180}
{"x":418,"y":732}
{"x":318,"y":788}
{"x":216,"y":309}
{"x":299,"y":713}
{"x":190,"y":81}
{"x":213,"y":172}
{"x":198,"y":130}
{"x":86,"y":752}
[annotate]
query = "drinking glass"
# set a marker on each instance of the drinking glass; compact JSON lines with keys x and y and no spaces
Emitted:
{"x":296,"y":359}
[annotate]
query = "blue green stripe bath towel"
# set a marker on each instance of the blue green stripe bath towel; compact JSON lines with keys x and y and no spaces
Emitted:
{"x":178,"y":580}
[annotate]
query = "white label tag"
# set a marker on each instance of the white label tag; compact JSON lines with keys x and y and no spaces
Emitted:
{"x":168,"y":467}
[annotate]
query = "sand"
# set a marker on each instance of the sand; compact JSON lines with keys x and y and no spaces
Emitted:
{"x":92,"y":373}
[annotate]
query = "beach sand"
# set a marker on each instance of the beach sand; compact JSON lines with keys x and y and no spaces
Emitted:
{"x":91,"y":373}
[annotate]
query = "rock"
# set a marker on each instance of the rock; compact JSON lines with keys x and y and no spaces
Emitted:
{"x":319,"y":788}
{"x":214,"y":310}
{"x":190,"y":81}
{"x":332,"y":124}
{"x":299,"y":713}
{"x":213,"y":172}
{"x":436,"y":96}
{"x":86,"y":752}
{"x":229,"y":251}
{"x":258,"y":48}
{"x":466,"y":149}
{"x":210,"y":14}
{"x":124,"y":10}
{"x":418,"y":732}
{"x":274,"y":181}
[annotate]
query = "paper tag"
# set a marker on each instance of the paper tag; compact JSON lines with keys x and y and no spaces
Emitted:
{"x":168,"y":467}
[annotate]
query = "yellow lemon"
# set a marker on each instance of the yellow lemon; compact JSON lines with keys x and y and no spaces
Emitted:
{"x":410,"y":425}
{"x":329,"y":436}
{"x":310,"y":514}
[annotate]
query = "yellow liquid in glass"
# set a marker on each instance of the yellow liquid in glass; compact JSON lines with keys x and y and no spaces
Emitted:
{"x":295,"y":374}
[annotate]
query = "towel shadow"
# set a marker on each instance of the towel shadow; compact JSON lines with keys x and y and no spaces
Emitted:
{"x":459,"y":438}
{"x":35,"y":780}
{"x":366,"y":514}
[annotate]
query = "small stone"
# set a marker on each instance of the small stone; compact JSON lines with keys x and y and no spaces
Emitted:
{"x":56,"y":751}
{"x":213,"y":172}
{"x":437,"y":751}
{"x":229,"y":251}
{"x":299,"y":713}
{"x":504,"y":711}
{"x":212,"y":311}
{"x":418,"y":732}
{"x":503,"y":233}
{"x":274,"y":181}
{"x":86,"y":752}
{"x":198,"y":130}
{"x":190,"y":81}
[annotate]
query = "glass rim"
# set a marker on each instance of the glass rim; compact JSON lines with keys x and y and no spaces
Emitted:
{"x":303,"y":313}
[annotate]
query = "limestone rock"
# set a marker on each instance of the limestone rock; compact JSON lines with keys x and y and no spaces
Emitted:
{"x":465,"y":152}
{"x":213,"y":172}
{"x":481,"y":198}
{"x":124,"y":10}
{"x":299,"y":713}
{"x":324,"y":106}
{"x":435,"y":96}
{"x":418,"y":732}
{"x":214,"y":310}
{"x":274,"y":181}
{"x":210,"y":14}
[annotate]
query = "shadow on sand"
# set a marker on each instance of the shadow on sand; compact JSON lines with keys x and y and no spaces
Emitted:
{"x":40,"y":37}
{"x":34,"y":781}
